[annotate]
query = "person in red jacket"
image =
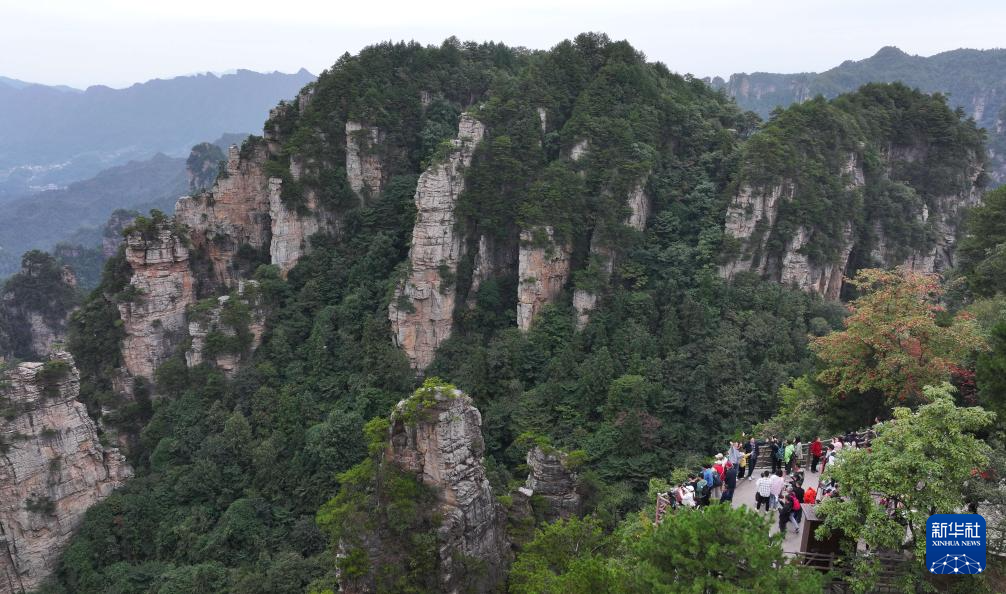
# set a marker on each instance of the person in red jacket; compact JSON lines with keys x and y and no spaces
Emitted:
{"x":815,"y":454}
{"x":810,"y":496}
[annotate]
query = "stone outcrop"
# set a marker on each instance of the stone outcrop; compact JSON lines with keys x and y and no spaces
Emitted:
{"x":443,"y":448}
{"x":35,"y":306}
{"x":603,"y":258}
{"x":111,"y":236}
{"x":291,"y":229}
{"x":211,"y":320}
{"x":551,"y":479}
{"x":161,"y":289}
{"x":752,"y":218}
{"x":542,"y":269}
{"x":233,"y":214}
{"x":422,"y":309}
{"x":363,"y":163}
{"x":52,"y":469}
{"x":493,"y":258}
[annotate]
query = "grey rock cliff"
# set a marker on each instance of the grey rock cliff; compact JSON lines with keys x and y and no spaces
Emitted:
{"x":422,"y":309}
{"x":543,"y":269}
{"x":53,"y":468}
{"x":444,"y":448}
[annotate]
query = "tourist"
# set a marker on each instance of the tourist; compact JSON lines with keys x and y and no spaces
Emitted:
{"x":785,"y":513}
{"x":837,"y":443}
{"x":688,"y":496}
{"x":796,"y":477}
{"x":729,"y":484}
{"x":734,"y":453}
{"x":775,"y":451}
{"x":788,"y":455}
{"x":719,"y":467}
{"x":829,"y":453}
{"x":798,"y":455}
{"x":796,"y":513}
{"x":751,"y":449}
{"x":763,"y":492}
{"x":810,"y":496}
{"x":815,"y":454}
{"x":775,"y":489}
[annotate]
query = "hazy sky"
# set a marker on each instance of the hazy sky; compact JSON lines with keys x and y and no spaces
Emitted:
{"x":118,"y":42}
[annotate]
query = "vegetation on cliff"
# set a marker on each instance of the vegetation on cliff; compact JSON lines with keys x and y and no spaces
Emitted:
{"x":232,"y":473}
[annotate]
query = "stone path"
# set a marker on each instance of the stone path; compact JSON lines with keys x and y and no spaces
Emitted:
{"x":744,"y":495}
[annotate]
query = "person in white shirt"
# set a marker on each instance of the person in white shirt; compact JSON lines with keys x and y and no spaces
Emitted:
{"x":775,"y":489}
{"x":688,"y":498}
{"x":763,"y":491}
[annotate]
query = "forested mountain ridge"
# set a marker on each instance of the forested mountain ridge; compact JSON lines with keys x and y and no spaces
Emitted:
{"x":544,"y":230}
{"x":974,"y":80}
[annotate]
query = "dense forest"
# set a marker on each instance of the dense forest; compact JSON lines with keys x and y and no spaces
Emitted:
{"x":232,"y":471}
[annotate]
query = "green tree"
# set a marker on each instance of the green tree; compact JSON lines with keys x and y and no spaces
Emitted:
{"x":693,"y":551}
{"x":991,"y":373}
{"x":982,"y":251}
{"x":919,"y":475}
{"x":567,"y":556}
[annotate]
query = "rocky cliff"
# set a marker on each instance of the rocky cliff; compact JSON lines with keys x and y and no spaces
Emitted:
{"x":439,"y":441}
{"x":160,"y":290}
{"x":232,"y":217}
{"x":960,"y":74}
{"x":753,"y":221}
{"x":363,"y":163}
{"x":52,"y":469}
{"x":551,"y":479}
{"x":422,"y":309}
{"x":543,"y":269}
{"x":35,"y":305}
{"x":111,"y":236}
{"x":225,"y":330}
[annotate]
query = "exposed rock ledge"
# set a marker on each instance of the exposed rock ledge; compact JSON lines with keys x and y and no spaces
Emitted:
{"x":53,"y":468}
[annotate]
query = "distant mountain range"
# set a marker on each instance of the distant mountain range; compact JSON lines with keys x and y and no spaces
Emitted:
{"x":974,"y":80}
{"x":51,"y":136}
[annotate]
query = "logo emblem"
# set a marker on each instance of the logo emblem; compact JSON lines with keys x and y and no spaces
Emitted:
{"x":955,"y":544}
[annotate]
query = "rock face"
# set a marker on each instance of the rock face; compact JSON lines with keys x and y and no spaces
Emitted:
{"x":111,"y":236}
{"x":233,"y":214}
{"x":543,"y":269}
{"x":363,"y":165}
{"x":494,"y":258}
{"x":53,"y":468}
{"x":551,"y":479}
{"x":602,"y":257}
{"x":443,"y":448}
{"x":291,"y":230}
{"x":753,"y":216}
{"x":204,"y":323}
{"x":422,"y":310}
{"x":162,"y":287}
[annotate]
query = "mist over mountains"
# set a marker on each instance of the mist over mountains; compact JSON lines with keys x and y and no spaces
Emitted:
{"x":51,"y":136}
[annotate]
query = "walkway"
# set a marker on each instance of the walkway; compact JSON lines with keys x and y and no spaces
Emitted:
{"x":744,"y":495}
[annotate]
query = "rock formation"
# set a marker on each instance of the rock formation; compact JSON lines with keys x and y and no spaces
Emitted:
{"x":752,"y":218}
{"x":291,"y":229}
{"x":363,"y":164}
{"x":443,"y":448}
{"x":161,"y":288}
{"x":494,"y":257}
{"x":602,"y":257}
{"x":542,"y":269}
{"x":233,"y":214}
{"x":35,"y":305}
{"x":52,"y":469}
{"x":203,"y":324}
{"x":550,"y":479}
{"x":422,"y":309}
{"x":111,"y":236}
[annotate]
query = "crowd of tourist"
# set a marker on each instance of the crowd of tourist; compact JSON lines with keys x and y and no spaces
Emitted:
{"x":780,"y":488}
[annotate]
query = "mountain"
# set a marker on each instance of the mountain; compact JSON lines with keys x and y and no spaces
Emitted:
{"x":20,"y":84}
{"x":75,"y":216}
{"x":974,"y":80}
{"x":455,"y":294}
{"x":39,"y":221}
{"x":52,"y":137}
